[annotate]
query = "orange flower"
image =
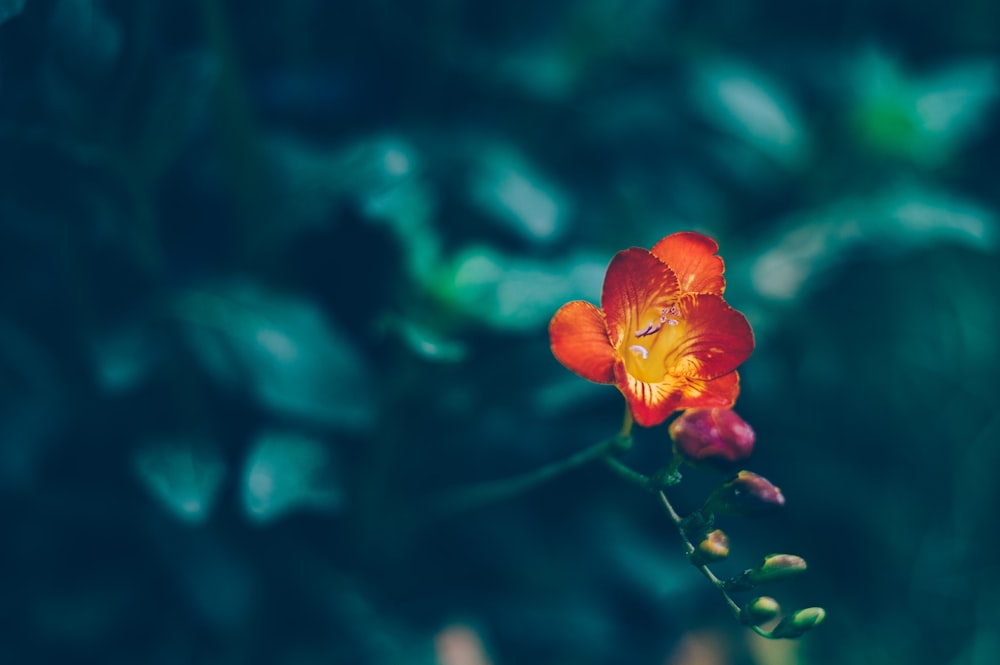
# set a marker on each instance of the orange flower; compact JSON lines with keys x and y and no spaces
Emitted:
{"x":663,"y":335}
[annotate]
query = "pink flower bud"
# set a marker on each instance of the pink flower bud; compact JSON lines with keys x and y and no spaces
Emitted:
{"x":716,"y":437}
{"x":744,"y":495}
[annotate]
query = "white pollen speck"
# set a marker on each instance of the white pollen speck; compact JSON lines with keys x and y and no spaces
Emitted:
{"x":639,"y":351}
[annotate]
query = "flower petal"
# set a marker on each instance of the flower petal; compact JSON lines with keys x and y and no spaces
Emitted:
{"x":636,"y":282}
{"x":579,"y":341}
{"x":714,"y":339}
{"x":650,"y":403}
{"x":692,"y":257}
{"x":713,"y":393}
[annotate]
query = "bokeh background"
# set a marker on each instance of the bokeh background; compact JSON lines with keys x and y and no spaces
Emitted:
{"x":273,"y":274}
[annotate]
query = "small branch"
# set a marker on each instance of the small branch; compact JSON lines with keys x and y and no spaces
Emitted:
{"x":626,"y":472}
{"x":481,"y":494}
{"x":475,"y":496}
{"x":689,"y":548}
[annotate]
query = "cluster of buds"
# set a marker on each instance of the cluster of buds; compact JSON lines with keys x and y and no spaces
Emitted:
{"x":764,"y":609}
{"x":719,"y":439}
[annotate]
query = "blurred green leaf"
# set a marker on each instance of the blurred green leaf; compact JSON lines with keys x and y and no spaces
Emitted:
{"x":408,"y":209}
{"x":556,"y":62}
{"x":921,"y":118}
{"x":753,"y":108}
{"x":515,"y":194}
{"x":545,"y":70}
{"x":517,"y":293}
{"x":903,"y":218}
{"x":426,"y":342}
{"x":282,"y":349}
{"x":10,"y":8}
{"x":313,"y":178}
{"x":184,"y":475}
{"x":376,"y":174}
{"x":123,"y":358}
{"x":286,"y":472}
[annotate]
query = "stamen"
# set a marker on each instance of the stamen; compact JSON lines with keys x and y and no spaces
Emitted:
{"x":649,"y":329}
{"x":666,"y":318}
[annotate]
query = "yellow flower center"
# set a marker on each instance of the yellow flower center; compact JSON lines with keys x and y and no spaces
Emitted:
{"x":648,"y":348}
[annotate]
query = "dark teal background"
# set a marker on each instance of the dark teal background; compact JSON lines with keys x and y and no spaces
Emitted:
{"x":273,"y":274}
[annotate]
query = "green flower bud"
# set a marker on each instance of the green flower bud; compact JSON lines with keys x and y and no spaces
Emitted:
{"x":776,"y":567}
{"x":713,"y":547}
{"x":759,"y":610}
{"x":773,"y":568}
{"x":745,"y":494}
{"x":799,"y":623}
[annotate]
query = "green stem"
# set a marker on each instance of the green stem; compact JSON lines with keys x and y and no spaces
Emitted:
{"x":475,"y":496}
{"x":626,"y":431}
{"x":627,"y":473}
{"x":689,"y":548}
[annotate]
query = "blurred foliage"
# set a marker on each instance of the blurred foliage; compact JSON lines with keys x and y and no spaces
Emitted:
{"x":274,"y":273}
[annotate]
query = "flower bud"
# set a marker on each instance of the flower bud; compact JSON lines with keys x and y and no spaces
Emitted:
{"x":776,"y":567}
{"x":773,"y":568}
{"x":713,"y":547}
{"x":712,"y":437}
{"x":745,"y":494}
{"x":759,"y":610}
{"x":799,"y":623}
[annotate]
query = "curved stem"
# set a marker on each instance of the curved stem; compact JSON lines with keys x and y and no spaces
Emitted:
{"x":646,"y":483}
{"x":628,"y":473}
{"x":481,"y":494}
{"x":689,"y":548}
